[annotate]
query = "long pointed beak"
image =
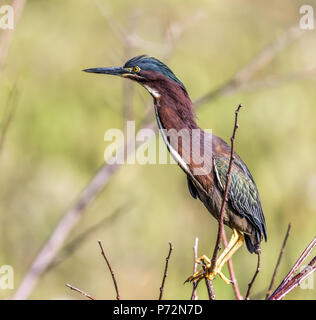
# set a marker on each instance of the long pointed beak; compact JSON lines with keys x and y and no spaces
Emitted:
{"x":116,"y":71}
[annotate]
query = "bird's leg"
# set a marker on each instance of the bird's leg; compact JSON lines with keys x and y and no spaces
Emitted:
{"x":236,"y":241}
{"x":234,"y":244}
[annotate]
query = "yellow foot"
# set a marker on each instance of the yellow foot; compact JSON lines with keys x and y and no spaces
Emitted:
{"x":206,"y":272}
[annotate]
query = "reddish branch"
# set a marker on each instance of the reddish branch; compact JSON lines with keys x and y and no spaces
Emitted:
{"x":228,"y":175}
{"x":279,"y":261}
{"x":111,"y":271}
{"x":291,"y":280}
{"x":220,"y":234}
{"x":165,"y":272}
{"x":232,"y":273}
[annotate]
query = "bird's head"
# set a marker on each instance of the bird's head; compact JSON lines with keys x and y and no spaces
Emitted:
{"x":147,"y":71}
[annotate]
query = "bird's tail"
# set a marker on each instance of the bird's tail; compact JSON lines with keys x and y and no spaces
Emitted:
{"x":253,"y":242}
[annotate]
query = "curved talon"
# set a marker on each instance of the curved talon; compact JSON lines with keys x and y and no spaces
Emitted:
{"x":235,"y":242}
{"x":204,"y":259}
{"x":206,"y":272}
{"x":198,"y":276}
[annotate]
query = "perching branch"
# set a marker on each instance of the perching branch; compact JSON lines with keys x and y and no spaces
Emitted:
{"x":111,"y":271}
{"x":165,"y":274}
{"x":208,"y":283}
{"x":210,"y":289}
{"x":279,"y":261}
{"x":80,"y":291}
{"x":228,"y":175}
{"x":220,"y":233}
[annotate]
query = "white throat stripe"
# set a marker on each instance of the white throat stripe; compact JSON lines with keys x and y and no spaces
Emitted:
{"x":152,"y":91}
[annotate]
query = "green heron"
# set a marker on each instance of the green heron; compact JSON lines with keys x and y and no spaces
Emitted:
{"x":174,"y":111}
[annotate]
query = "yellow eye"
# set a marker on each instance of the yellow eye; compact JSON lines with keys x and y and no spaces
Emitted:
{"x":136,"y":69}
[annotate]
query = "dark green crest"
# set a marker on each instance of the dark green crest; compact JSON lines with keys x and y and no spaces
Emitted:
{"x":152,"y":64}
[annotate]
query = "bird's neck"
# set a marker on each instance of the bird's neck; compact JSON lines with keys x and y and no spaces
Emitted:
{"x":188,"y":144}
{"x":174,"y":109}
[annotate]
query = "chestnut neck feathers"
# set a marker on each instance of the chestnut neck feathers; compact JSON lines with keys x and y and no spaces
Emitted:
{"x":174,"y":106}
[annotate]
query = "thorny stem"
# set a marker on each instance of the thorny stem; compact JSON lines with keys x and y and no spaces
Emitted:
{"x":228,"y":175}
{"x":111,"y":271}
{"x":258,"y":252}
{"x":165,"y":272}
{"x":80,"y":291}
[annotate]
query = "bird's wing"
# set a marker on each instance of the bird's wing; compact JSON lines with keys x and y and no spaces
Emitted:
{"x":192,"y":188}
{"x":242,"y":194}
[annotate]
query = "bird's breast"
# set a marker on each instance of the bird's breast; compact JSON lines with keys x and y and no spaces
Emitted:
{"x":181,"y":143}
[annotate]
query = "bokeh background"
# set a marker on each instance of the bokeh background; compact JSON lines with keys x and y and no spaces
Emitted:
{"x":53,"y":120}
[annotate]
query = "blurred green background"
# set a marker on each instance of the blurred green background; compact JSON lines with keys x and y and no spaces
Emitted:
{"x":54,"y":143}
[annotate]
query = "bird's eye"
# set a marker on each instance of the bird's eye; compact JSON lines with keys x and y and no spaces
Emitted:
{"x":136,"y":69}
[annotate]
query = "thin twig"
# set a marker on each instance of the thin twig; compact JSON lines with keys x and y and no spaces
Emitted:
{"x":111,"y":271}
{"x":291,"y":281}
{"x":165,"y":272}
{"x":220,"y":232}
{"x":195,"y":256}
{"x":278,"y":261}
{"x":228,"y":175}
{"x":258,"y":252}
{"x":80,"y":291}
{"x":232,"y":273}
